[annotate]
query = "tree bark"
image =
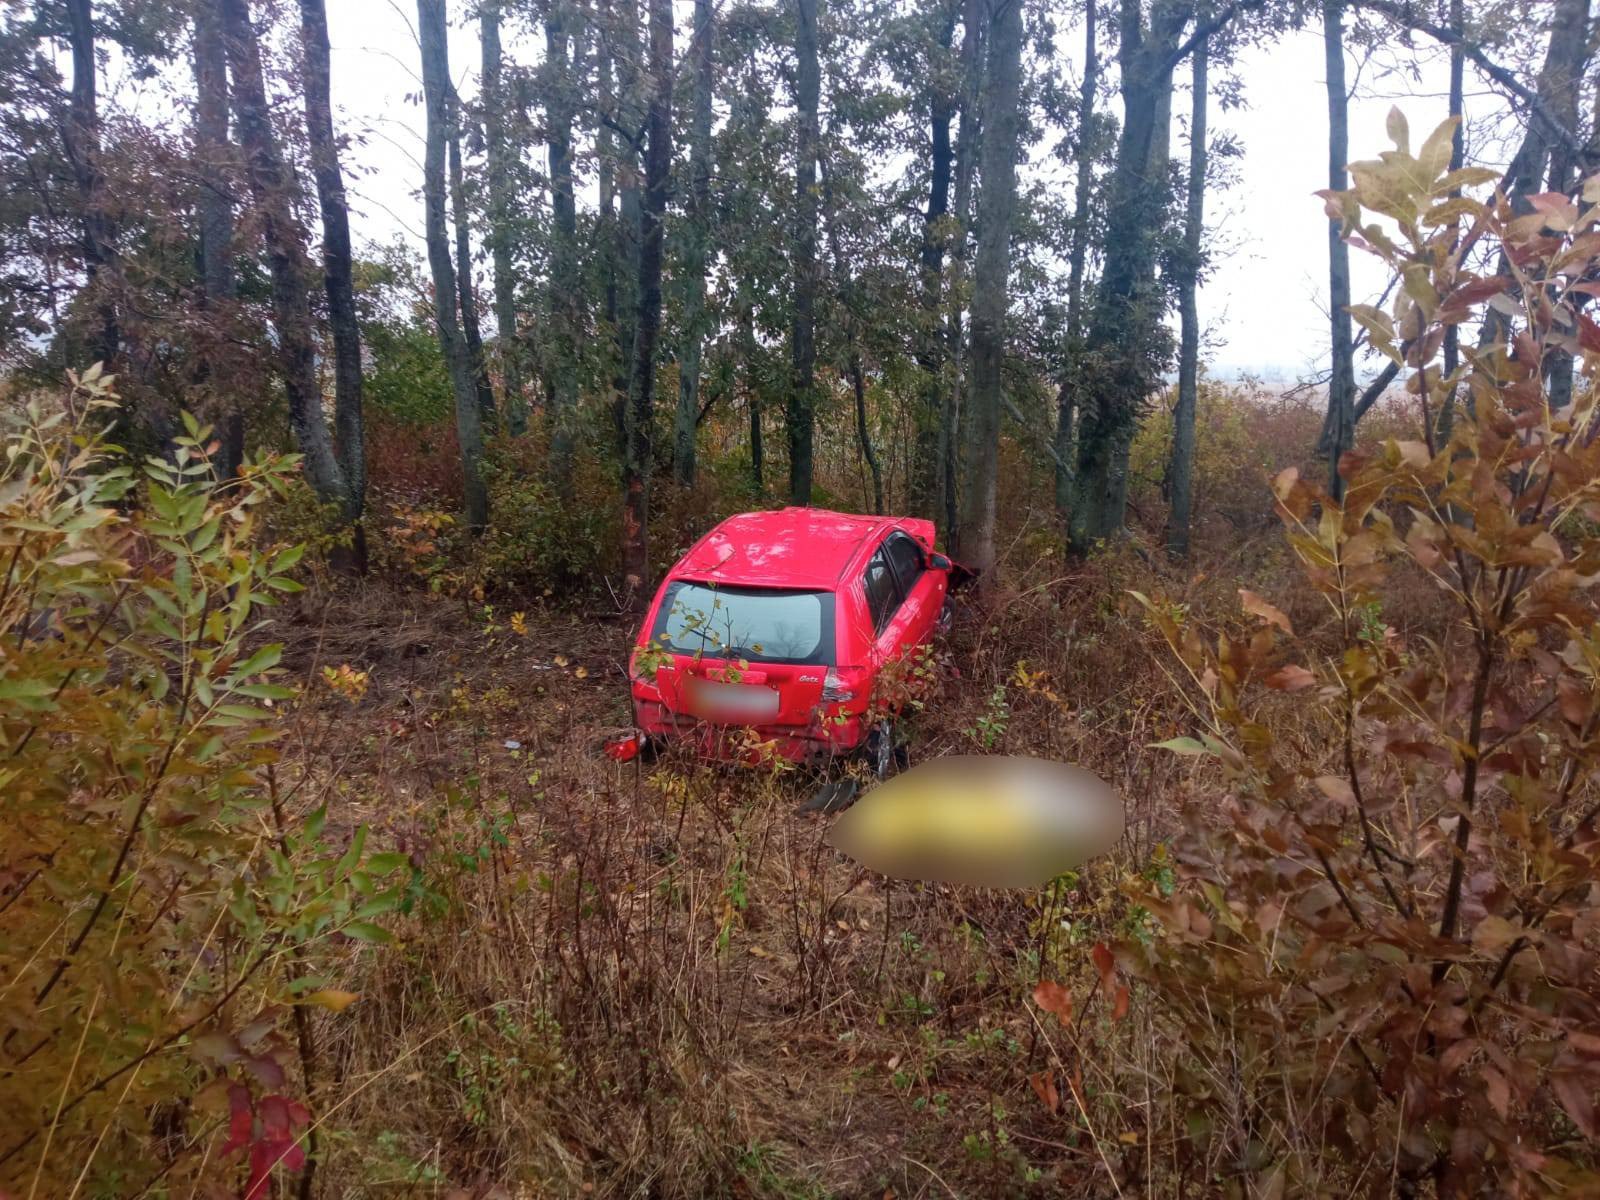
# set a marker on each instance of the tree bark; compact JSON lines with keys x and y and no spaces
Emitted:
{"x":337,"y":268}
{"x":1180,"y":468}
{"x":81,"y":140}
{"x":436,"y":89}
{"x":752,"y":384}
{"x":213,"y":158}
{"x":1342,"y":381}
{"x":272,"y":190}
{"x":996,"y":205}
{"x":973,"y":20}
{"x":564,"y":300}
{"x":498,"y":162}
{"x":466,"y":292}
{"x":1126,"y":341}
{"x":640,"y":417}
{"x":697,"y":246}
{"x":1067,"y":391}
{"x":801,"y":409}
{"x":858,"y":383}
{"x":927,"y":462}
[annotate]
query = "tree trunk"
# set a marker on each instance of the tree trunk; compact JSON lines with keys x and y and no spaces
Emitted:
{"x":973,"y":20}
{"x":1342,"y":382}
{"x":564,"y":298}
{"x":863,"y":434}
{"x":927,"y":462}
{"x":338,"y":274}
{"x":1127,"y":341}
{"x":273,"y":192}
{"x":436,"y":91}
{"x":640,"y":417}
{"x":801,"y":412}
{"x":627,"y":230}
{"x":996,"y":204}
{"x":213,"y":158}
{"x":498,"y":161}
{"x":1561,"y":92}
{"x":82,"y":143}
{"x":1458,"y":155}
{"x":747,"y":328}
{"x":466,"y":293}
{"x":1067,"y":391}
{"x":1180,"y":468}
{"x":698,"y":247}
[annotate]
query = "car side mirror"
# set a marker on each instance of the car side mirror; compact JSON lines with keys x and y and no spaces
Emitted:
{"x":938,"y":562}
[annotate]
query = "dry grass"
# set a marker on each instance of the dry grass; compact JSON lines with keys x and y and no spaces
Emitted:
{"x":660,"y":980}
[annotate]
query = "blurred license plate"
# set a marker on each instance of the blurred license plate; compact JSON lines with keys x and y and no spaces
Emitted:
{"x":730,"y":703}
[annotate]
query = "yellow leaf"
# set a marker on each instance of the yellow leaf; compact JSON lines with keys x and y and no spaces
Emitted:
{"x":582,"y":672}
{"x":332,"y":999}
{"x":1129,"y":1138}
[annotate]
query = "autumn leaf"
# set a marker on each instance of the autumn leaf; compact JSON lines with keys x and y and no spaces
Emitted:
{"x":333,"y":999}
{"x":1256,"y":606}
{"x":1053,"y":998}
{"x":1044,"y":1087}
{"x":1290,"y":678}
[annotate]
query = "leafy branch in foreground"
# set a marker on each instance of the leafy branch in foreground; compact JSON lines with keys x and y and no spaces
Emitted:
{"x":1389,"y":947}
{"x":153,"y":897}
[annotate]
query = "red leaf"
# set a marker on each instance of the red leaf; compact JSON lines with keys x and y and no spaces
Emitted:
{"x":1576,"y":1094}
{"x":241,"y":1119}
{"x":1588,"y":334}
{"x":1044,"y":1087}
{"x":1290,"y":678}
{"x":1053,"y":998}
{"x":1104,"y":963}
{"x":1499,"y":1093}
{"x":1119,"y":1006}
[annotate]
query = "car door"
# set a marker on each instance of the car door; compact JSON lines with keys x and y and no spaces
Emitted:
{"x":922,"y":590}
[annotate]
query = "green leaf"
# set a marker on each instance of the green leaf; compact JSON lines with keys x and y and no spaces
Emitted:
{"x":1181,"y":745}
{"x":387,"y":861}
{"x":366,"y":931}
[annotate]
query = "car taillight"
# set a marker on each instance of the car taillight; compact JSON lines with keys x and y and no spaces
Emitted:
{"x":834,"y":688}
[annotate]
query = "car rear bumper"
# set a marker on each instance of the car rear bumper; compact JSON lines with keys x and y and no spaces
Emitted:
{"x":802,"y":744}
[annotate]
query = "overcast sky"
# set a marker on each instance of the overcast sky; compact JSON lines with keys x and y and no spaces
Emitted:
{"x":1263,"y":307}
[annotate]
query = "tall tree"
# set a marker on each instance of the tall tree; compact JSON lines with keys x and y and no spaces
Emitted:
{"x":498,"y":159}
{"x":212,"y":154}
{"x":337,"y":272}
{"x":997,"y":198}
{"x":81,"y":138}
{"x":697,"y":245}
{"x":801,"y":412}
{"x":272,"y":190}
{"x":974,"y":17}
{"x":1067,"y":387}
{"x":927,"y":464}
{"x":436,"y":90}
{"x":1180,"y":466}
{"x":1340,"y":425}
{"x":564,"y":299}
{"x":628,"y":116}
{"x":466,"y":291}
{"x":1127,"y":342}
{"x":640,"y":415}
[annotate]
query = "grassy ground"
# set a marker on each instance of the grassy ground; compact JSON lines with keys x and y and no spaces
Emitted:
{"x":659,"y":980}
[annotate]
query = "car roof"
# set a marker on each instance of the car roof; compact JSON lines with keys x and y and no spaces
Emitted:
{"x":788,"y":547}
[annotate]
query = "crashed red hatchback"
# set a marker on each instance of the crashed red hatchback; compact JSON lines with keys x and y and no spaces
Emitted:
{"x":780,"y":622}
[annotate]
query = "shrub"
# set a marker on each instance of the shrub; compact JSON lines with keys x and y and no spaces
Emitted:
{"x":163,"y":919}
{"x":1383,"y":962}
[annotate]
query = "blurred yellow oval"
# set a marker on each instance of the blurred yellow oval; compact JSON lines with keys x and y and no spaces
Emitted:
{"x":983,"y":821}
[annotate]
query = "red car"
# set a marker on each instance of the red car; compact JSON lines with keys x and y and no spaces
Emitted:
{"x":781,"y":622}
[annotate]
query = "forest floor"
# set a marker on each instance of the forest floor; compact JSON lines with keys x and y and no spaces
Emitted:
{"x":630,"y":979}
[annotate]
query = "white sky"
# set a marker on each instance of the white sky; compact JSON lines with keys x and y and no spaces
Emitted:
{"x":1264,"y":305}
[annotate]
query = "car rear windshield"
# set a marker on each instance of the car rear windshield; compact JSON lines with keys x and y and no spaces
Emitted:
{"x":760,"y":624}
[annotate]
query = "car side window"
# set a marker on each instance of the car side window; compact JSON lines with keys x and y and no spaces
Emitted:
{"x":906,"y":557}
{"x":883,"y":591}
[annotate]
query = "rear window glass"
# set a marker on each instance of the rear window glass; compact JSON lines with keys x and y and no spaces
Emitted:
{"x":760,"y":624}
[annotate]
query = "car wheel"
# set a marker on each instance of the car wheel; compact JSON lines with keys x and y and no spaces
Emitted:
{"x":883,"y":752}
